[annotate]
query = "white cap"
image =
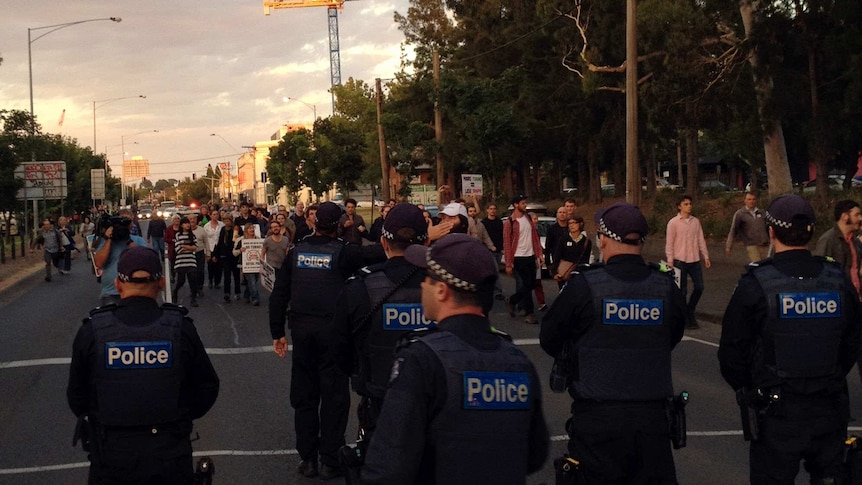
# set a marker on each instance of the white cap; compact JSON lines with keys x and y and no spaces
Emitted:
{"x":454,"y":209}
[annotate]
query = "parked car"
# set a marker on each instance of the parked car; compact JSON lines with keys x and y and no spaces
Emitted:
{"x":662,"y":184}
{"x":836,"y":182}
{"x":536,"y":207}
{"x":714,"y":186}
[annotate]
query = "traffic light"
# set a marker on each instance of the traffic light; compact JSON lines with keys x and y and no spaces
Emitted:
{"x":194,"y":176}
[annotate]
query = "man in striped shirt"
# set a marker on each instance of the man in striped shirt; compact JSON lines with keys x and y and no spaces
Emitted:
{"x":684,"y":248}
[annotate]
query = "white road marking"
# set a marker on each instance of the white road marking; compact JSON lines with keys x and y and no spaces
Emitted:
{"x":264,"y":349}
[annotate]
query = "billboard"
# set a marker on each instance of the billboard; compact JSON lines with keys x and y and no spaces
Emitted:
{"x":42,"y":180}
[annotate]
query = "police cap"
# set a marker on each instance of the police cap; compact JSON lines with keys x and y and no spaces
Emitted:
{"x":620,"y":220}
{"x":789,"y":210}
{"x":458,"y":260}
{"x":139,"y":258}
{"x":328,"y":214}
{"x":405,"y":223}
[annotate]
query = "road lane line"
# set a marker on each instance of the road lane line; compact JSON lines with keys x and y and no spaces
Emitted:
{"x":85,"y":464}
{"x":264,"y":349}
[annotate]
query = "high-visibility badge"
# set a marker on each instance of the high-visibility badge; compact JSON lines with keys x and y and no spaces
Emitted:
{"x":404,"y":316}
{"x":496,"y":390}
{"x":138,"y":355}
{"x":824,"y":304}
{"x":632,"y":312}
{"x":314,"y":261}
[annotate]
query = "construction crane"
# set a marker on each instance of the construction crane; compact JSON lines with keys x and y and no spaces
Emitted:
{"x":333,"y":6}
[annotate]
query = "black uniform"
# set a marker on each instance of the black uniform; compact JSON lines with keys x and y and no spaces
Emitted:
{"x":436,"y":427}
{"x":622,"y":321}
{"x":363,"y":344}
{"x":141,"y":375}
{"x":319,"y":392}
{"x":792,"y":329}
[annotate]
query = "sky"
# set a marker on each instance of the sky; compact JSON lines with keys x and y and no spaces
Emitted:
{"x":215,"y":66}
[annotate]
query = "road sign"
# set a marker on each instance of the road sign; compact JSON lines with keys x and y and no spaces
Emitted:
{"x":97,"y":183}
{"x":42,"y":180}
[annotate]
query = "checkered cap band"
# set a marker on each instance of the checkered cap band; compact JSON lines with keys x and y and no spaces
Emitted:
{"x":603,"y":229}
{"x":392,"y":237}
{"x":446,"y":276}
{"x":771,"y":220}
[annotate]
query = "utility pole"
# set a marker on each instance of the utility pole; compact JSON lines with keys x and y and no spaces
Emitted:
{"x":633,"y":180}
{"x":438,"y":120}
{"x":384,"y":157}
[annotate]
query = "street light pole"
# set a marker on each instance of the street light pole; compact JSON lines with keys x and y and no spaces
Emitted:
{"x":53,"y":28}
{"x":313,"y":108}
{"x":104,"y":102}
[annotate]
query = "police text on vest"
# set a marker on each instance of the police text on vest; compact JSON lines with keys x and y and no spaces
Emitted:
{"x":496,"y":390}
{"x":809,"y":305}
{"x":632,"y":312}
{"x":404,"y":316}
{"x":138,"y":355}
{"x":314,"y":261}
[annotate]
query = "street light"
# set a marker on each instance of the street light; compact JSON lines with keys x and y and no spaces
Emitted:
{"x":53,"y":28}
{"x":104,"y":102}
{"x":313,"y":107}
{"x":123,"y":173}
{"x":226,"y":142}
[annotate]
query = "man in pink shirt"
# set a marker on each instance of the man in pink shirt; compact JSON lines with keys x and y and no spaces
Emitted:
{"x":684,"y":247}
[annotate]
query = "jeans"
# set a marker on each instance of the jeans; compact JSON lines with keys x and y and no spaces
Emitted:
{"x":158,"y":243}
{"x":695,"y":270}
{"x":252,"y":281}
{"x":524,"y":268}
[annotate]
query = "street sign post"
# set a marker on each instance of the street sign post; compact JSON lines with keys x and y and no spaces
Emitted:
{"x":42,"y":180}
{"x":97,"y":183}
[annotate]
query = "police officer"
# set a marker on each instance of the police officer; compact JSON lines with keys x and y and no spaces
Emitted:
{"x":464,"y":405}
{"x":139,"y":376}
{"x":378,"y":308}
{"x":789,"y":337}
{"x":619,"y":323}
{"x":319,"y":392}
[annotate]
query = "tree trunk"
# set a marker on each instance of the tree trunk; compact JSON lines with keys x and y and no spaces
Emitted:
{"x":691,"y":161}
{"x":593,"y":164}
{"x":775,"y":151}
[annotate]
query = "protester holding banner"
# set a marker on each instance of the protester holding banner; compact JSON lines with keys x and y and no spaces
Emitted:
{"x":250,"y":248}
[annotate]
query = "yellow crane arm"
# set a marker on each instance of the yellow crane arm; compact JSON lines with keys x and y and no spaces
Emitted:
{"x":339,"y":4}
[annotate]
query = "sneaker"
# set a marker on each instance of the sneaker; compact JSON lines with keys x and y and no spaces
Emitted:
{"x":255,"y":302}
{"x":236,"y":297}
{"x":543,"y":307}
{"x":531,"y":320}
{"x":328,"y":472}
{"x":307,"y":468}
{"x":227,"y":298}
{"x":510,"y":307}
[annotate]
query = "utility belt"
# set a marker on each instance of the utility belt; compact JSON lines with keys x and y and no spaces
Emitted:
{"x":570,"y":471}
{"x":753,"y":406}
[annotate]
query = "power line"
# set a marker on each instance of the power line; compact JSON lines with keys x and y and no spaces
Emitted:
{"x":516,"y":39}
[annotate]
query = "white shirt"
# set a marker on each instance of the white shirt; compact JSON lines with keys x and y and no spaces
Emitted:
{"x":212,"y":234}
{"x":525,"y":237}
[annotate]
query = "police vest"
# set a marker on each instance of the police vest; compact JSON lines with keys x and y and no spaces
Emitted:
{"x":486,"y":418}
{"x":804,"y":325}
{"x":316,"y":279}
{"x":139,"y":369}
{"x":400,"y":314}
{"x":625,"y":353}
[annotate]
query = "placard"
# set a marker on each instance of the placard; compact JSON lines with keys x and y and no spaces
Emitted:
{"x":251,"y":260}
{"x":267,"y":276}
{"x":471,"y":184}
{"x":42,"y":180}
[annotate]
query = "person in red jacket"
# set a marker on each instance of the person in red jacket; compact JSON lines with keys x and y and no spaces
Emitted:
{"x":522,"y":250}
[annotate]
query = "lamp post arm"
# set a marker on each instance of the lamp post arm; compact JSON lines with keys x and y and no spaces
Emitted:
{"x":57,"y":27}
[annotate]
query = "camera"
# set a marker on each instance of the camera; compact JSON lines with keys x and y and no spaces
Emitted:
{"x":121,"y":227}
